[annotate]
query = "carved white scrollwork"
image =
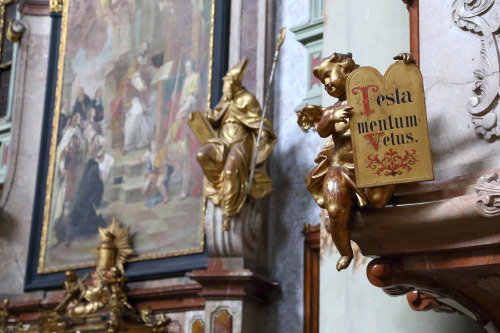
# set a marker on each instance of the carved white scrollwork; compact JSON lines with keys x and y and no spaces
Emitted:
{"x":488,"y":188}
{"x":482,"y":17}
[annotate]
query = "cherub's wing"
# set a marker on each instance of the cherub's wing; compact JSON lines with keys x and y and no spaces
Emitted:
{"x":309,"y":115}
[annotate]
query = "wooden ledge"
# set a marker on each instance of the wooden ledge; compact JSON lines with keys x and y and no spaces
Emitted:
{"x":444,"y":255}
{"x":234,"y":284}
{"x":34,"y":7}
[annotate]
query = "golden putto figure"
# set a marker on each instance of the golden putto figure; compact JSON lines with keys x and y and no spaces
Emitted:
{"x":104,"y":294}
{"x":332,"y":181}
{"x":226,"y":159}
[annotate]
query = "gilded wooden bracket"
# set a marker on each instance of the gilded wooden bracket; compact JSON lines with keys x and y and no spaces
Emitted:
{"x":420,"y":301}
{"x":56,"y":6}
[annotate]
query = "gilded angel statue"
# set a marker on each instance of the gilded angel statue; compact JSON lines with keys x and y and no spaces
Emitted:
{"x":332,"y":181}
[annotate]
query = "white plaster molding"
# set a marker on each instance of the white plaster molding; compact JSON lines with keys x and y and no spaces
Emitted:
{"x":488,"y":188}
{"x":242,"y":240}
{"x":191,"y":317}
{"x":481,"y":17}
{"x":262,"y":28}
{"x":214,"y":308}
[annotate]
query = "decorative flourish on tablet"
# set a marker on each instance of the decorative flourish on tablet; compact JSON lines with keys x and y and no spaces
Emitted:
{"x":392,"y":164}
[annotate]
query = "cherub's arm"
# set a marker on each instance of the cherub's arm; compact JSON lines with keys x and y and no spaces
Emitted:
{"x":309,"y":116}
{"x":332,"y":116}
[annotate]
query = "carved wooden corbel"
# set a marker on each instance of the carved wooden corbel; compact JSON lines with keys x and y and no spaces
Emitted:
{"x":420,"y":301}
{"x":423,"y":292}
{"x":488,"y":188}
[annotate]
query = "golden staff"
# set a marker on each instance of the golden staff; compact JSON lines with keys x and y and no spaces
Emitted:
{"x":281,"y":38}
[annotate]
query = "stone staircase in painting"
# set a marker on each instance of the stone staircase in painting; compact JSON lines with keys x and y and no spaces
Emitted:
{"x":127,"y":178}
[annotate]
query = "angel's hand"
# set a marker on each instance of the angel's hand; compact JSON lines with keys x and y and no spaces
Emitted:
{"x":406,"y":57}
{"x":309,"y":115}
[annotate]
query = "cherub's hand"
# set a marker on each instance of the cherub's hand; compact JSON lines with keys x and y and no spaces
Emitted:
{"x":406,"y":57}
{"x":342,"y":115}
{"x":309,"y":115}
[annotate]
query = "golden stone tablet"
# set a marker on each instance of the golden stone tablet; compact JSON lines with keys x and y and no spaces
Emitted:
{"x":389,"y":129}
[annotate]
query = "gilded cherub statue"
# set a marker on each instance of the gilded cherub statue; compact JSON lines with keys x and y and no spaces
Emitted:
{"x":226,"y":159}
{"x":103,"y":295}
{"x":332,"y":181}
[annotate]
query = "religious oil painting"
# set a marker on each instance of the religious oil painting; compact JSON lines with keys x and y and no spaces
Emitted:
{"x":129,"y":74}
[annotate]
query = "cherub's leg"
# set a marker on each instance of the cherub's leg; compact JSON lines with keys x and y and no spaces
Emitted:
{"x":338,"y":202}
{"x":341,"y":234}
{"x":147,"y":180}
{"x":160,"y":186}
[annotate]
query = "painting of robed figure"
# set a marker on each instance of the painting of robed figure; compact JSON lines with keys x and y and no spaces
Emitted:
{"x":130,"y":73}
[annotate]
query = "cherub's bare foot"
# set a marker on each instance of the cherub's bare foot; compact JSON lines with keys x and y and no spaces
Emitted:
{"x":343,"y":262}
{"x":165,"y":199}
{"x":182,"y":196}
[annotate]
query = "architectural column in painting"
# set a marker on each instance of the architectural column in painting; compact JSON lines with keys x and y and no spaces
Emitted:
{"x":195,"y":34}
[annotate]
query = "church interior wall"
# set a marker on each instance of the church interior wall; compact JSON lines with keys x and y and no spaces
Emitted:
{"x":290,"y":205}
{"x":18,"y":195}
{"x":348,"y":302}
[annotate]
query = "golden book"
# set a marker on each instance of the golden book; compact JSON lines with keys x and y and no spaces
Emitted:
{"x":201,"y":127}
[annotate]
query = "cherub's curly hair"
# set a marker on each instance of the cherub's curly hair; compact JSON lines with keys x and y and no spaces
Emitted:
{"x":344,"y":60}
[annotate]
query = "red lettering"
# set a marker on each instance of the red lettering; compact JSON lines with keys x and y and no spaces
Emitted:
{"x":374,"y":139}
{"x":366,"y":100}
